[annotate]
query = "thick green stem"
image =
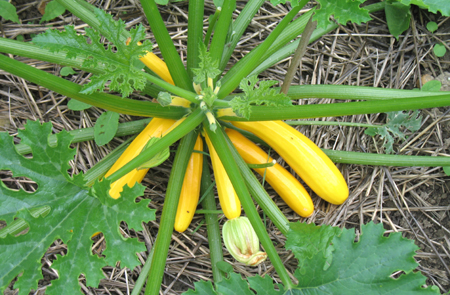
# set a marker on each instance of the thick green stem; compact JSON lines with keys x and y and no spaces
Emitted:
{"x":165,"y":43}
{"x":195,"y":34}
{"x":101,"y":100}
{"x":212,"y":224}
{"x":30,"y":50}
{"x":143,"y":274}
{"x":187,"y":125}
{"x":239,"y":26}
{"x":262,"y":113}
{"x":221,"y":31}
{"x":168,"y":214}
{"x":386,"y":160}
{"x":191,"y":96}
{"x":222,"y":149}
{"x":212,"y":24}
{"x":241,"y":69}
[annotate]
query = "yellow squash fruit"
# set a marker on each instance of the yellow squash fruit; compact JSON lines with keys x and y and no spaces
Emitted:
{"x":306,"y":158}
{"x":190,"y":191}
{"x":283,"y":182}
{"x":228,"y":198}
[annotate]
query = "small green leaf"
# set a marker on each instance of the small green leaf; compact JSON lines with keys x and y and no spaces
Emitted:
{"x":439,"y":50}
{"x":446,"y":170}
{"x":66,"y":71}
{"x":106,"y":127}
{"x":257,"y":95}
{"x":432,"y":26}
{"x":162,"y":2}
{"x":8,"y":11}
{"x":225,"y":267}
{"x":52,"y":10}
{"x":432,"y":5}
{"x":207,"y":67}
{"x":395,"y":121}
{"x":342,"y":10}
{"x":263,"y":285}
{"x":234,"y":285}
{"x":76,"y":105}
{"x":433,"y":86}
{"x":202,"y":288}
{"x":398,"y":17}
{"x":20,"y":38}
{"x":158,"y":159}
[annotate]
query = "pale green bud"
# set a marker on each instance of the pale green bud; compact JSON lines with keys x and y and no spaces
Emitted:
{"x":242,"y":242}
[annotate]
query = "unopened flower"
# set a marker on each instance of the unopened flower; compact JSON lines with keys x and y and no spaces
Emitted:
{"x":242,"y":242}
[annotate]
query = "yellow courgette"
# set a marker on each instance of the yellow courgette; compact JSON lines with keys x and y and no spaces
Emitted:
{"x":155,"y":128}
{"x":190,"y":191}
{"x":306,"y":158}
{"x":228,"y":198}
{"x":286,"y":185}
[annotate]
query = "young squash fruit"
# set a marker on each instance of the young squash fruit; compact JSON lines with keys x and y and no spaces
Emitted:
{"x":156,"y":128}
{"x":306,"y":158}
{"x":283,"y":182}
{"x":190,"y":191}
{"x":229,"y":201}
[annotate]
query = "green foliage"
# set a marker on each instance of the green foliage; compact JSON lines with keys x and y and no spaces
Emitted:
{"x":66,"y":71}
{"x":52,"y":9}
{"x":398,"y":17}
{"x":342,"y":10}
{"x":117,"y":60}
{"x":8,"y":11}
{"x":439,"y":50}
{"x":106,"y":127}
{"x":432,"y":27}
{"x":446,"y":170}
{"x":77,"y":213}
{"x":294,"y":3}
{"x":253,"y":95}
{"x":443,"y":6}
{"x":361,"y":267}
{"x":207,"y":67}
{"x":433,"y":85}
{"x":76,"y":105}
{"x":395,"y":121}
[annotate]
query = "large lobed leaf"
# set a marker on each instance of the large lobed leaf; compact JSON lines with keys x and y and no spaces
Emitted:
{"x":342,"y":10}
{"x":77,"y":212}
{"x":362,"y":267}
{"x":118,"y":62}
{"x":443,"y":6}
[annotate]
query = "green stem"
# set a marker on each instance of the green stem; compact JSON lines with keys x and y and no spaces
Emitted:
{"x":233,"y":77}
{"x":259,"y":193}
{"x":280,"y":52}
{"x":212,"y":224}
{"x":168,"y":214}
{"x":261,"y":113}
{"x":186,"y":126}
{"x":85,"y":134}
{"x":101,"y":100}
{"x":165,"y":43}
{"x":212,"y":23}
{"x":329,"y":123}
{"x":222,"y":149}
{"x":239,"y":26}
{"x":30,"y":50}
{"x":221,"y":31}
{"x":299,"y":52}
{"x":143,"y":274}
{"x":386,"y":160}
{"x":346,"y":92}
{"x":191,"y":96}
{"x":195,"y":34}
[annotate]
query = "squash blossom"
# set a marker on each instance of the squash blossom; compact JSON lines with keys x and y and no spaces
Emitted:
{"x":242,"y":242}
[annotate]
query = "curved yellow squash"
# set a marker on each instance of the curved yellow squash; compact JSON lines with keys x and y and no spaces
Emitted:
{"x":306,"y":158}
{"x":283,"y":182}
{"x":190,"y":192}
{"x":228,"y":198}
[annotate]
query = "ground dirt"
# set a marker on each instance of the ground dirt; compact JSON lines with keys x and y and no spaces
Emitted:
{"x":411,"y":200}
